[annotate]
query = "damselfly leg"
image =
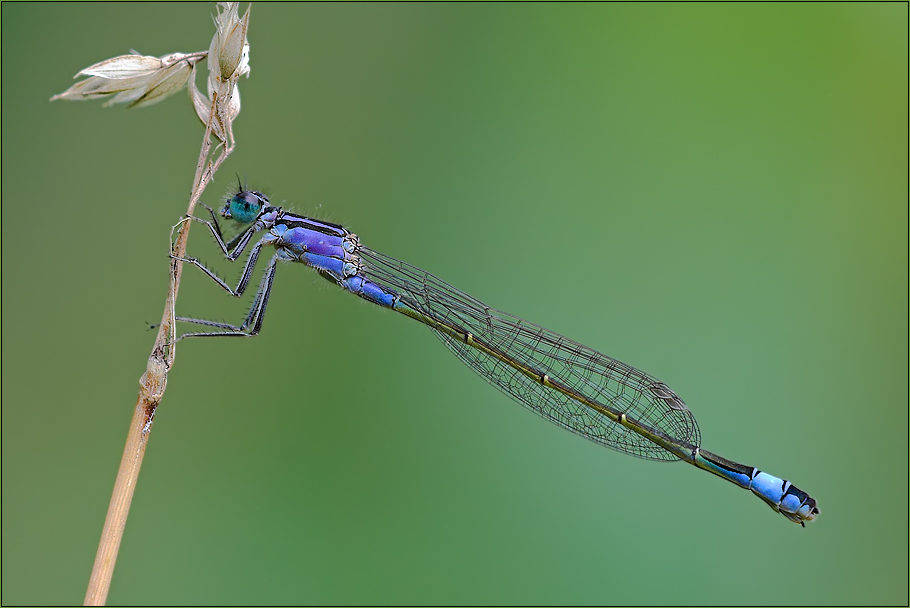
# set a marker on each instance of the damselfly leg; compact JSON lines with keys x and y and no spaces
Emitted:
{"x":253,"y":322}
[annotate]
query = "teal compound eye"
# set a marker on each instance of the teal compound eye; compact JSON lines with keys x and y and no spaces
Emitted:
{"x":245,"y":207}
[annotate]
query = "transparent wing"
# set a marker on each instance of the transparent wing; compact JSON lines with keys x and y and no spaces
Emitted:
{"x":599,"y":378}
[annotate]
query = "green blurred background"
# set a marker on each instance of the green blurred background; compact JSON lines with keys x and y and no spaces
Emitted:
{"x":716,"y":194}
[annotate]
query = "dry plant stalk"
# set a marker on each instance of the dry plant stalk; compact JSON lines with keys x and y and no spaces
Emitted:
{"x":141,"y":80}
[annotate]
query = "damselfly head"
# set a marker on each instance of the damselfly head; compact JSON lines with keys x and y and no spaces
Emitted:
{"x":245,"y":206}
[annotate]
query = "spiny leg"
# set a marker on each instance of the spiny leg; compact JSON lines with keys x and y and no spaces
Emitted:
{"x":254,"y":318}
{"x":215,"y":227}
{"x":247,"y":269}
{"x":236,"y":246}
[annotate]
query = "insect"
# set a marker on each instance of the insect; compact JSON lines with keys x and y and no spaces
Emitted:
{"x":567,"y":383}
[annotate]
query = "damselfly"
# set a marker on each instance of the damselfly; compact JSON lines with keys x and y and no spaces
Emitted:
{"x":567,"y":383}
